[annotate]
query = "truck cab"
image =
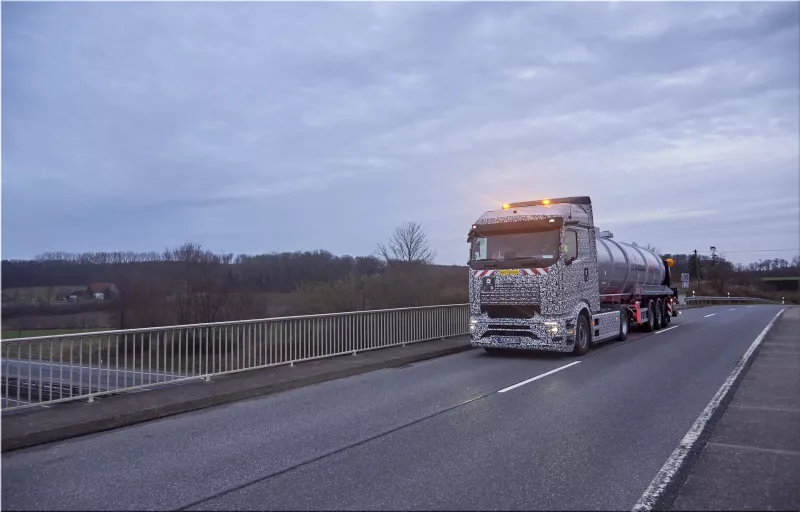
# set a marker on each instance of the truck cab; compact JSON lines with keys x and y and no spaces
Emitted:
{"x":533,"y":267}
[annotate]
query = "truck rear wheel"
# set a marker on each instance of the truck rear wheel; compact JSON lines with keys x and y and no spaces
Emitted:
{"x":624,"y":324}
{"x":659,"y":316}
{"x":650,"y":325}
{"x":582,"y":334}
{"x":665,"y":317}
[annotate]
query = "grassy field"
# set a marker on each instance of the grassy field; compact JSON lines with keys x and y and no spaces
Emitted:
{"x":12,"y":334}
{"x":42,"y":293}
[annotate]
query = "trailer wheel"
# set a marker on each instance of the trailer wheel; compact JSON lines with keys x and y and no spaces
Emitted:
{"x":624,"y":324}
{"x":582,"y":335}
{"x":650,"y":325}
{"x":665,"y":317}
{"x":659,"y":317}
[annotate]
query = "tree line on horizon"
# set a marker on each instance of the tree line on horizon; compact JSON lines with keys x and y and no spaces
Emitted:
{"x":189,"y":284}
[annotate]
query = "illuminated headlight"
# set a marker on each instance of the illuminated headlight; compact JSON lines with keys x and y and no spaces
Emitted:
{"x":472,"y":323}
{"x":552,"y":327}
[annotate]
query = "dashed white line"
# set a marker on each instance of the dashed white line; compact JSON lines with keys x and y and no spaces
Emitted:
{"x":670,"y":468}
{"x":667,"y":329}
{"x":712,"y":314}
{"x":732,"y":309}
{"x":509,"y":388}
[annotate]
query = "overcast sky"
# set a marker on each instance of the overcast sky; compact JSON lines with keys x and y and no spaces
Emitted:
{"x":260,"y":127}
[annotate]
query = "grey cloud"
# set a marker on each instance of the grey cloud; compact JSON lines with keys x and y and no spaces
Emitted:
{"x":211,"y":121}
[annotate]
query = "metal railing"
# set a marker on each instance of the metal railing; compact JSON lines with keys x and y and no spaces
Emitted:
{"x":50,"y":369}
{"x":705,"y":300}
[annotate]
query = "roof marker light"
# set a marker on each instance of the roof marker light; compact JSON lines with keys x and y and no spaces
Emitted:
{"x":506,"y":206}
{"x":551,"y":220}
{"x":546,"y":202}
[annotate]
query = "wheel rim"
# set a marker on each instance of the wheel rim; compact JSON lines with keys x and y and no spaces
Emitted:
{"x":581,"y":335}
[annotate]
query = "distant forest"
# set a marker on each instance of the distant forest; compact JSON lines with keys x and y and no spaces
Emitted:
{"x":718,"y":276}
{"x":189,"y":284}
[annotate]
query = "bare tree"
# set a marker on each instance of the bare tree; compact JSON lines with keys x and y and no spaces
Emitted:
{"x":654,"y":249}
{"x":409,"y":244}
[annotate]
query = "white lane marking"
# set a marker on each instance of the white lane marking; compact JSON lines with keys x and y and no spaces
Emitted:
{"x":667,"y":329}
{"x":750,"y":306}
{"x":509,"y":388}
{"x":712,"y":314}
{"x":673,"y":464}
{"x":732,"y":309}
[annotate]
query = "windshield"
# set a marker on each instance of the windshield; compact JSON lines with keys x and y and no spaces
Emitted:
{"x":532,"y":248}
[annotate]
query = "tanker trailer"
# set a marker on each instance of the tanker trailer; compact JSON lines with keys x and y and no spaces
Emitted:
{"x":542,"y":278}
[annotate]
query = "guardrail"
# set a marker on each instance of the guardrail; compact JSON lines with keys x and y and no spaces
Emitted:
{"x":703,"y":300}
{"x":51,"y":369}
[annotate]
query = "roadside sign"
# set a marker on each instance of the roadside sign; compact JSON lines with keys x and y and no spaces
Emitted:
{"x":685,"y":277}
{"x":684,"y":284}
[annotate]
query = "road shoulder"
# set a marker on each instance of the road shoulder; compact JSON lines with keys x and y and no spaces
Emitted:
{"x":27,"y":428}
{"x":751,"y":460}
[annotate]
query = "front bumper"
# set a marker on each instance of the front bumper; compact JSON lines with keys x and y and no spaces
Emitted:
{"x":544,"y":334}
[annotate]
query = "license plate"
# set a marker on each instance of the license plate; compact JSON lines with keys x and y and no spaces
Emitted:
{"x":508,"y":272}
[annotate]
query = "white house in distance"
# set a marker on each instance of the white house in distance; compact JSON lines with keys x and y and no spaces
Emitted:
{"x":103,"y":291}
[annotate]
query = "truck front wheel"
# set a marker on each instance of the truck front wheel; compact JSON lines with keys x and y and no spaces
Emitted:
{"x":624,"y":324}
{"x":581,"y":336}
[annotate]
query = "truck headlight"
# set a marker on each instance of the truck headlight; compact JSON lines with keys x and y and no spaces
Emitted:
{"x":552,"y":327}
{"x":472,"y":323}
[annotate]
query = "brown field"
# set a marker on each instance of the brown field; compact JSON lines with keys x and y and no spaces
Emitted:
{"x":85,"y":321}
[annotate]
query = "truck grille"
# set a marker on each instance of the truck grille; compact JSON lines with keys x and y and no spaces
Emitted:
{"x":501,"y":311}
{"x":522,"y":331}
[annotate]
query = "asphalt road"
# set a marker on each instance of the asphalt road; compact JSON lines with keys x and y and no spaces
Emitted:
{"x":456,"y":432}
{"x":36,"y":376}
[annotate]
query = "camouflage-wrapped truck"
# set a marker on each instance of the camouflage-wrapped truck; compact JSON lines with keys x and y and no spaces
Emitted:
{"x":543,"y":278}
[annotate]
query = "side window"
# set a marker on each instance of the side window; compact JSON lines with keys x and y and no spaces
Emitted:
{"x":570,"y":246}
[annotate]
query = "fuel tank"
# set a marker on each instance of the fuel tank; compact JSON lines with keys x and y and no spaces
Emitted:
{"x":621,"y":267}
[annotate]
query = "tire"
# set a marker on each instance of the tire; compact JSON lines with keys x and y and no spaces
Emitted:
{"x":583,"y":336}
{"x":659,"y":318}
{"x":665,"y":317}
{"x":624,"y":324}
{"x":650,"y":325}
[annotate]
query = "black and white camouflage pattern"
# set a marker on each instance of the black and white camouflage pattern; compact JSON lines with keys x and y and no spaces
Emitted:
{"x":561,"y":294}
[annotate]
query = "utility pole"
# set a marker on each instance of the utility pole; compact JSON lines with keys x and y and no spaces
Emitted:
{"x":697,"y":267}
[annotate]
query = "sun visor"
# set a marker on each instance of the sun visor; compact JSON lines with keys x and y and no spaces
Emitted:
{"x":522,"y":226}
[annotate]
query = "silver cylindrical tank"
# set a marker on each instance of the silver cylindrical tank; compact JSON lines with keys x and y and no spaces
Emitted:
{"x":621,"y":267}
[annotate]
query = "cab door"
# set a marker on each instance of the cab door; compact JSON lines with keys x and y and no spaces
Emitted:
{"x":580,"y":265}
